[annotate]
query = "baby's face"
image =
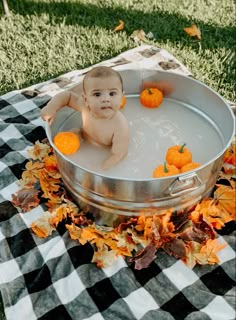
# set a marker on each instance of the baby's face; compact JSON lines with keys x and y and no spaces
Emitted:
{"x":103,"y":96}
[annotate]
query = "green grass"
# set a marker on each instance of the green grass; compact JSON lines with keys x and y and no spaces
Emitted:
{"x":42,"y":39}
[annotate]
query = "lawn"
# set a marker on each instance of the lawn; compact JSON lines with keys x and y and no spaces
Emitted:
{"x":42,"y":39}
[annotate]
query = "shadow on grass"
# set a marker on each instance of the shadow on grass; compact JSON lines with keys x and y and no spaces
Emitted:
{"x":165,"y":26}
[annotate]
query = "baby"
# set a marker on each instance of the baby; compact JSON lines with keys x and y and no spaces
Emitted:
{"x":98,"y":99}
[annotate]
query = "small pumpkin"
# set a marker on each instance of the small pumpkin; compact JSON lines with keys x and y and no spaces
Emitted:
{"x":190,"y":166}
{"x":123,"y":102}
{"x":164,"y":170}
{"x":178,"y":156}
{"x":151,"y":97}
{"x":67,"y":142}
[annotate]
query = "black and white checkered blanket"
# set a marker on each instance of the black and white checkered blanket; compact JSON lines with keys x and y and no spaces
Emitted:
{"x":53,"y":278}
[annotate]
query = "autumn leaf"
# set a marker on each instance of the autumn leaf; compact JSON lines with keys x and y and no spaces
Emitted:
{"x":48,"y":184}
{"x":120,"y":26}
{"x":144,"y":257}
{"x":138,"y":35}
{"x":207,"y":254}
{"x":42,"y":227}
{"x":193,"y":31}
{"x":74,"y":231}
{"x":211,"y":213}
{"x":50,"y":164}
{"x":39,"y":150}
{"x":58,"y":215}
{"x":175,"y":247}
{"x":30,"y":175}
{"x":192,"y":248}
{"x":226,"y":201}
{"x":104,"y":257}
{"x":26,"y":199}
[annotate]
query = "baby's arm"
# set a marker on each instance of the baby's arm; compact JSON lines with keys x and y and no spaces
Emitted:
{"x":59,"y":101}
{"x":120,"y":143}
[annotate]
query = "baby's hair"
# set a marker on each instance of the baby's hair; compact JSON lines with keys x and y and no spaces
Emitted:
{"x":102,"y":72}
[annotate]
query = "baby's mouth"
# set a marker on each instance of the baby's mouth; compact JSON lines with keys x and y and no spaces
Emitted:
{"x":105,"y":108}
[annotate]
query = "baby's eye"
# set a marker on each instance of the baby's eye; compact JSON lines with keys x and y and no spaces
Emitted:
{"x":113,"y":93}
{"x":97,"y":94}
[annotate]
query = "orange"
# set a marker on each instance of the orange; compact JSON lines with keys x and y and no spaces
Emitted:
{"x":67,"y":142}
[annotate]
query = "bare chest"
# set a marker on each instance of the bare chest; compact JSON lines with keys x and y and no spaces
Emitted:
{"x":99,"y":131}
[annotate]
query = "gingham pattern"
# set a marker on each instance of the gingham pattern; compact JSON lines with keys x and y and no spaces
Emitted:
{"x":53,"y":278}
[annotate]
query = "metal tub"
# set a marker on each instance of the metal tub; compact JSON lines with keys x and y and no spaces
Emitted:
{"x":199,"y":116}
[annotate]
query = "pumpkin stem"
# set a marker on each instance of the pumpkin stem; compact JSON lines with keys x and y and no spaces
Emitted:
{"x":181,"y":150}
{"x":149,"y":90}
{"x":165,"y":168}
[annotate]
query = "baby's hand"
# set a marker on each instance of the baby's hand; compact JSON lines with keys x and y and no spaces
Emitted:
{"x":48,"y":115}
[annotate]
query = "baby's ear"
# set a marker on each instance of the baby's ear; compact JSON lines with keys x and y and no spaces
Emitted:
{"x":84,"y":98}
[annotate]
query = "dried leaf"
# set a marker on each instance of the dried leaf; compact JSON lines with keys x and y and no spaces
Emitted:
{"x":74,"y":231}
{"x":226,"y":198}
{"x":50,"y":164}
{"x":211,"y":213}
{"x":176,"y":247}
{"x":48,"y":184}
{"x":39,"y":150}
{"x":138,"y":35}
{"x":193,"y":31}
{"x":58,"y":215}
{"x":30,"y":175}
{"x":26,"y":199}
{"x":120,"y":26}
{"x":207,"y":254}
{"x":192,"y":248}
{"x":104,"y":258}
{"x":41,"y":227}
{"x":144,"y":257}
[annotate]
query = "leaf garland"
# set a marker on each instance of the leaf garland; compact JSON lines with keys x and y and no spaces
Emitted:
{"x":188,"y":236}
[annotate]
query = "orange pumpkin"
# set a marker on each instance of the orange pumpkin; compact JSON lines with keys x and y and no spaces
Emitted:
{"x":178,"y":156}
{"x":190,"y":166}
{"x":123,"y":102}
{"x":151,"y":97}
{"x":67,"y":142}
{"x":165,"y":170}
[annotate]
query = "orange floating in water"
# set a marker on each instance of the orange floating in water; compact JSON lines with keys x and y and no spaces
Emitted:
{"x":67,"y":142}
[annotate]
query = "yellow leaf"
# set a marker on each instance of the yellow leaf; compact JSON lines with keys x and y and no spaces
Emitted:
{"x":138,"y":35}
{"x":193,"y":31}
{"x":226,"y":198}
{"x":207,"y":254}
{"x":104,"y":257}
{"x":39,"y":150}
{"x":41,"y":227}
{"x":74,"y":231}
{"x":30,"y":175}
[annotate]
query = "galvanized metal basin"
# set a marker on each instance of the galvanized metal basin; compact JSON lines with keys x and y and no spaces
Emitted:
{"x":193,"y":113}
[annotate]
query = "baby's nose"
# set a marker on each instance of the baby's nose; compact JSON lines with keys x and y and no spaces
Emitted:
{"x":106,"y":96}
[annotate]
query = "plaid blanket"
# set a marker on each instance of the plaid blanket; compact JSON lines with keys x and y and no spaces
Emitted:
{"x":54,"y":278}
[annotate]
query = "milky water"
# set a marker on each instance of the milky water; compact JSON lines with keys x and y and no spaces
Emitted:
{"x":152,"y":132}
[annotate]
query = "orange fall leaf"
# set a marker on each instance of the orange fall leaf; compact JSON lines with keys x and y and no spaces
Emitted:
{"x":120,"y":26}
{"x":193,"y":31}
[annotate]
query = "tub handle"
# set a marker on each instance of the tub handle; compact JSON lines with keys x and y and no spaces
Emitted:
{"x":184,"y":184}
